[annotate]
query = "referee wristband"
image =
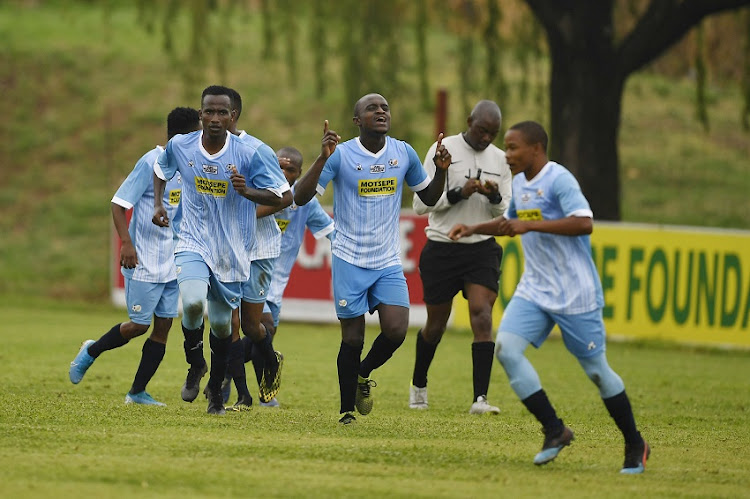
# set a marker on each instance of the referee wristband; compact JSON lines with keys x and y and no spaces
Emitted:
{"x":495,"y":198}
{"x":454,"y":195}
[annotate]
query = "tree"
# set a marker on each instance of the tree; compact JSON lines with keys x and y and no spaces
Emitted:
{"x":589,"y":68}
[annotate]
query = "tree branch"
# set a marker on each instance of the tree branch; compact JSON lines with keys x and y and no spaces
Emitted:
{"x":664,"y":23}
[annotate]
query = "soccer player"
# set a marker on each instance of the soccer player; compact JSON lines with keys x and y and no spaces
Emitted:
{"x":368,"y":173}
{"x":254,"y":291}
{"x":217,"y":230}
{"x":478,"y":189}
{"x":292,"y":222}
{"x":559,"y":285}
{"x":147,"y":260}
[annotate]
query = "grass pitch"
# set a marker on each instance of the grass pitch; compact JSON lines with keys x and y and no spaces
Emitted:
{"x":82,"y":441}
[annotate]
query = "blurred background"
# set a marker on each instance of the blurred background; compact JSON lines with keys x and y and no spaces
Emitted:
{"x":88,"y":84}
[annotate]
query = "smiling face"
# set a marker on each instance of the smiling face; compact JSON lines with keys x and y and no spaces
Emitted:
{"x":216,"y":115}
{"x":373,"y":114}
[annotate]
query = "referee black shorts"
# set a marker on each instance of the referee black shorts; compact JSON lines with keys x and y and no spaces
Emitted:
{"x":445,"y":268}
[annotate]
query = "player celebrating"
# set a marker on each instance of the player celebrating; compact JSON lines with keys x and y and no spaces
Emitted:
{"x":559,"y":285}
{"x":368,"y":173}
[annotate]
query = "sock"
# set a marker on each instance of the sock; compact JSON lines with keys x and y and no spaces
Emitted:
{"x":348,"y":365}
{"x":382,"y":349}
{"x":247,"y":345}
{"x":423,"y":359}
{"x":111,"y":339}
{"x":236,"y":369}
{"x":152,"y":354}
{"x":620,"y":410}
{"x":194,"y":345}
{"x":539,"y":405}
{"x":219,"y":353}
{"x":263,"y":355}
{"x":481,"y":356}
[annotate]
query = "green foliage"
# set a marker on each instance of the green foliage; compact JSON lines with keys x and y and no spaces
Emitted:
{"x":88,"y":98}
{"x":81,"y":440}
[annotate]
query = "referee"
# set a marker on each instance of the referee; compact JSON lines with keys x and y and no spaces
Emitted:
{"x":478,"y":189}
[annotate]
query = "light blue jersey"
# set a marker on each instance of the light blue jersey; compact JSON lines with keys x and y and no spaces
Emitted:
{"x":559,"y":274}
{"x":217,"y":223}
{"x":292,"y":222}
{"x":154,"y":245}
{"x":268,"y":235}
{"x":367,"y":199}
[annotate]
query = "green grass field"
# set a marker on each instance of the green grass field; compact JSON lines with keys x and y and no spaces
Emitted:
{"x":82,"y":441}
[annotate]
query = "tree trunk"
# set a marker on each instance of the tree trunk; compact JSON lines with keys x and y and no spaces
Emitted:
{"x":585,"y":104}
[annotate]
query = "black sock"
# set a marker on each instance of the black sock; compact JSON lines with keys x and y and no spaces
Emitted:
{"x":539,"y":405}
{"x":111,"y":339}
{"x":194,"y":345}
{"x":152,"y":354}
{"x":247,"y":346}
{"x":381,"y":350}
{"x":481,"y":355}
{"x":348,"y":365}
{"x":423,"y":359}
{"x":236,"y":368}
{"x":219,"y":353}
{"x":263,"y":354}
{"x":620,"y":410}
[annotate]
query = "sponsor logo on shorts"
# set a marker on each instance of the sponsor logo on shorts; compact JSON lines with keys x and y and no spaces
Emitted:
{"x":377,"y":168}
{"x":136,"y":308}
{"x":379,"y":187}
{"x":174,"y":197}
{"x":212,"y":169}
{"x":342,"y":303}
{"x":592,"y":346}
{"x":534,"y":214}
{"x":217,"y":188}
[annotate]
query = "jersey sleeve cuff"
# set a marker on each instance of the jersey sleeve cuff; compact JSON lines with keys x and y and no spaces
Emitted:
{"x":121,"y":202}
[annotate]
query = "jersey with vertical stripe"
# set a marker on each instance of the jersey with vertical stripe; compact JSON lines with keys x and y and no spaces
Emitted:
{"x":292,"y":222}
{"x":367,"y":191}
{"x":268,"y":235}
{"x":154,"y":245}
{"x":559,"y":273}
{"x":217,"y":223}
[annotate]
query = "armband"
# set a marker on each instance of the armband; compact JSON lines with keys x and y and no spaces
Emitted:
{"x":454,"y":195}
{"x":495,"y":198}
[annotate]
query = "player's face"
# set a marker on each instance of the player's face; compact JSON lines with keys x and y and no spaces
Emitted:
{"x":216,"y":114}
{"x":519,"y":155}
{"x":374,"y":114}
{"x":291,"y":172}
{"x":481,"y":132}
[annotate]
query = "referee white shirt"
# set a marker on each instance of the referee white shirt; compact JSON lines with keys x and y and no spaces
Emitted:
{"x":465,"y":163}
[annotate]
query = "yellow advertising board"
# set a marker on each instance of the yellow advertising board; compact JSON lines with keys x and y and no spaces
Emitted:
{"x":673,"y":283}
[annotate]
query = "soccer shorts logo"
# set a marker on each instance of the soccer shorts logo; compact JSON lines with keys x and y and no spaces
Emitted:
{"x":136,"y":308}
{"x":342,"y":303}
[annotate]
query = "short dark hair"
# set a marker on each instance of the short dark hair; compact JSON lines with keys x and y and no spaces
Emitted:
{"x":292,"y":153}
{"x":216,"y":90}
{"x":533,"y":133}
{"x":182,"y":120}
{"x":236,"y":101}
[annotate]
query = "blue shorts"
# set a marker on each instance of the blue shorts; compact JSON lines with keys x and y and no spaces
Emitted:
{"x":190,"y":265}
{"x":274,"y":309}
{"x":357,"y":290}
{"x":256,"y":288}
{"x":146,"y":299}
{"x":583,"y":334}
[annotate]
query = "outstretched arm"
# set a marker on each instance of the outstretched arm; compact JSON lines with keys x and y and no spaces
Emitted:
{"x":306,"y":185}
{"x":568,"y":226}
{"x":442,"y":159}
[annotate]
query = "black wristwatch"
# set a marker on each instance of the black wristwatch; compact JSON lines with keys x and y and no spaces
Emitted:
{"x":495,"y":198}
{"x":454,"y":195}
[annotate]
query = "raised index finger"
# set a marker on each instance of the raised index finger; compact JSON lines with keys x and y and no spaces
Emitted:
{"x":440,"y":140}
{"x":325,"y":127}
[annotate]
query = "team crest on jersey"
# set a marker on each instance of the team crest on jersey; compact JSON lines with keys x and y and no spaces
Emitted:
{"x":539,"y":193}
{"x":377,"y":168}
{"x":525,"y":197}
{"x":230,"y":168}
{"x":393,"y":162}
{"x":211,"y":169}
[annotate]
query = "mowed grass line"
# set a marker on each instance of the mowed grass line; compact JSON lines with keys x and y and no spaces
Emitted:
{"x":68,"y":440}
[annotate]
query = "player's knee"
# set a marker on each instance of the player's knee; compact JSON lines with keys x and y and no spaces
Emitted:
{"x":505,"y":354}
{"x":193,"y":308}
{"x":222,"y":329}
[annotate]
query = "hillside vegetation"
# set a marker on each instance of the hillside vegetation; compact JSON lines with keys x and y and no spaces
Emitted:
{"x":87,"y":95}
